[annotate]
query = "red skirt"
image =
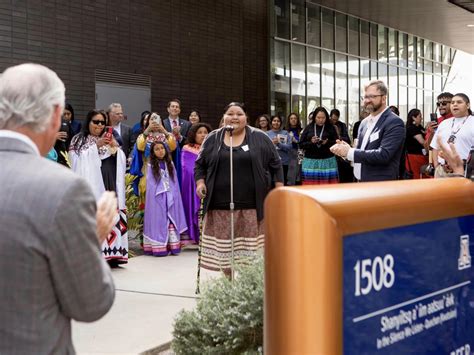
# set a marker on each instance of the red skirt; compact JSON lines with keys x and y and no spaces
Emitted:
{"x":415,"y":161}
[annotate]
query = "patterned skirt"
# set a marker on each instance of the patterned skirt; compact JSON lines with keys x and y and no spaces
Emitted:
{"x":157,"y":248}
{"x":115,"y":247}
{"x":216,"y":248}
{"x":186,"y":240}
{"x":319,"y":171}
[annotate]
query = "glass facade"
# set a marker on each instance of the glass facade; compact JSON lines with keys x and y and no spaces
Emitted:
{"x":324,"y":57}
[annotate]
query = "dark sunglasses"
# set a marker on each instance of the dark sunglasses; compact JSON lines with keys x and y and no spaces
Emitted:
{"x":442,"y":103}
{"x":98,"y":122}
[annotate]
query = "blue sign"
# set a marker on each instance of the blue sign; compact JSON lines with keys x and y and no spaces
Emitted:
{"x":410,"y":290}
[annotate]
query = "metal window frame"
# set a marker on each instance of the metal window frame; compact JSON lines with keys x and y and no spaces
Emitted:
{"x":418,"y":69}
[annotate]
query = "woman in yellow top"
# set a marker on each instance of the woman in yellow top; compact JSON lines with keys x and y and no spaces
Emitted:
{"x":154,"y":132}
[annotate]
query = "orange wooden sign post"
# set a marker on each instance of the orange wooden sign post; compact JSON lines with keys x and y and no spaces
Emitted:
{"x":305,"y":229}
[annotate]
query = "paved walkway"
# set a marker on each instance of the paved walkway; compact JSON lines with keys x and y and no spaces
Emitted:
{"x":150,"y":292}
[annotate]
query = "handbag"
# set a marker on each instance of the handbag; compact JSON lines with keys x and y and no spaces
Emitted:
{"x":300,"y":156}
{"x":294,"y":167}
{"x":427,"y":171}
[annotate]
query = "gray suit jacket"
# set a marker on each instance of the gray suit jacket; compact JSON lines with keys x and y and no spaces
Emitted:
{"x":128,"y":139}
{"x":51,"y":269}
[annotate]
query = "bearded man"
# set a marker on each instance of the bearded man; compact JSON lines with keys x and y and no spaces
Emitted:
{"x":381,"y":138}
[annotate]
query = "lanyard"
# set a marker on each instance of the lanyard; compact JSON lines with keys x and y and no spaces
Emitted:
{"x":460,"y":126}
{"x":321,"y":134}
{"x":452,"y":137}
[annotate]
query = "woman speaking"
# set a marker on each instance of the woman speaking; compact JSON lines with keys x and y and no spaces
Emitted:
{"x":255,"y":162}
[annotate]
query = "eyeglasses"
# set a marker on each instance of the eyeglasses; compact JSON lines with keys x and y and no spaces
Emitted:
{"x":370,"y":97}
{"x":442,"y":103}
{"x":98,"y":122}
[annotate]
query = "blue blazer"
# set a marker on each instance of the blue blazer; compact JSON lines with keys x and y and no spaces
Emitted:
{"x":183,"y":130}
{"x":380,"y":158}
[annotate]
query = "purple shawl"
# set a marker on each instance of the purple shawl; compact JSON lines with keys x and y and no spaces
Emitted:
{"x":163,"y":203}
{"x":191,"y":200}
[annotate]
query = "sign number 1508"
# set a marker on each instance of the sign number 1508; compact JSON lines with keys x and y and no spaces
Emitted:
{"x":377,"y":273}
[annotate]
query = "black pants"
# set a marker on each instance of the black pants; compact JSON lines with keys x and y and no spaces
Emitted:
{"x":346,"y":172}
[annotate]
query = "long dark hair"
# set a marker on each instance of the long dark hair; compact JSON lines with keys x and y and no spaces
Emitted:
{"x":144,"y":115}
{"x":411,"y":115}
{"x":68,"y":107}
{"x":298,"y":122}
{"x":82,"y":136}
{"x":155,"y":162}
{"x":315,"y":113}
{"x":147,"y":118}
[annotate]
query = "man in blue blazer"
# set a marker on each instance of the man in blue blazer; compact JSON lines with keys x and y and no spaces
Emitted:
{"x":176,"y":125}
{"x":381,"y":138}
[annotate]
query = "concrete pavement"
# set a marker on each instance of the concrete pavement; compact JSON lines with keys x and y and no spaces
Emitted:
{"x":150,"y":292}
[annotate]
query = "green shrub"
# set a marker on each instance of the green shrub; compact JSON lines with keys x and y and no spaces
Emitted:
{"x":134,"y":210}
{"x":228,"y":318}
{"x":135,"y":215}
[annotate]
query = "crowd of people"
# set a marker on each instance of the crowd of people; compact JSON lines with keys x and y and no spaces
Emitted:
{"x":382,"y":147}
{"x":176,"y":167}
{"x":54,"y":227}
{"x":181,"y":166}
{"x":160,"y":154}
{"x":175,"y":176}
{"x":171,"y":168}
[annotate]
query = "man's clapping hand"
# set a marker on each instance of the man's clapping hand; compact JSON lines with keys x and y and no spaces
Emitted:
{"x":341,"y":148}
{"x":448,"y":152}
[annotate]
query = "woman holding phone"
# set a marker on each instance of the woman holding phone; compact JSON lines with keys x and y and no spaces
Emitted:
{"x":153,"y":132}
{"x":319,"y":163}
{"x":282,"y":142}
{"x":97,"y":157}
{"x":416,"y":155}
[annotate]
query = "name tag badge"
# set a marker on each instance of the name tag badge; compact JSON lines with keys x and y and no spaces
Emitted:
{"x":374,"y":136}
{"x":245,"y":148}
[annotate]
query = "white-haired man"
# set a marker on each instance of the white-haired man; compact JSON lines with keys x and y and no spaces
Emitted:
{"x":116,"y":117}
{"x":51,"y":269}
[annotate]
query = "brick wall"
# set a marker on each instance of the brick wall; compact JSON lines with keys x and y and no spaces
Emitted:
{"x":207,"y":53}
